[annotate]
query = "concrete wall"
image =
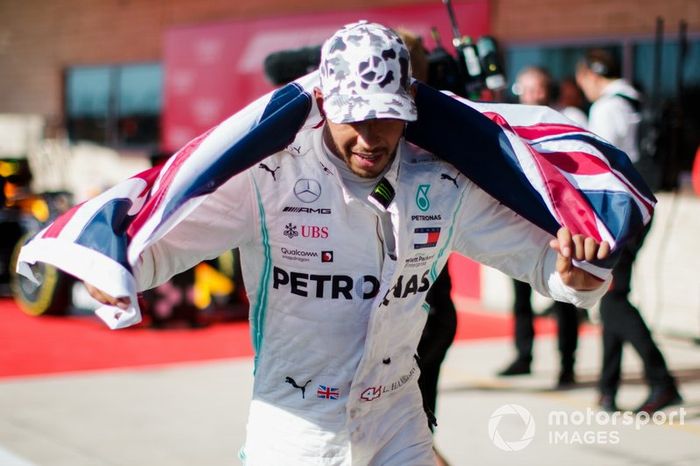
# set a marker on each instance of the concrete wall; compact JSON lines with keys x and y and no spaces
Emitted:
{"x":541,"y":19}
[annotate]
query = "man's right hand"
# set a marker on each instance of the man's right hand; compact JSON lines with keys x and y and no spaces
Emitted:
{"x":104,"y":298}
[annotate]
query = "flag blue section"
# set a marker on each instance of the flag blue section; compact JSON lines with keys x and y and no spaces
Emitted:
{"x":105,"y":232}
{"x":480,"y":150}
{"x":277,"y":127}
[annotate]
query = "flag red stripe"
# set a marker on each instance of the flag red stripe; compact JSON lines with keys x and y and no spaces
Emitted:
{"x":57,"y":226}
{"x":577,"y":163}
{"x":157,"y":197}
{"x":569,"y":205}
{"x":543,"y":130}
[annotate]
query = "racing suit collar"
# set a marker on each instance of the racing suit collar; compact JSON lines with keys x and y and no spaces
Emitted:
{"x":384,"y":190}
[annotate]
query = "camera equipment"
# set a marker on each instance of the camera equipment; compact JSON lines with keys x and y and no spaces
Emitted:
{"x":479,"y":63}
{"x":287,"y":65}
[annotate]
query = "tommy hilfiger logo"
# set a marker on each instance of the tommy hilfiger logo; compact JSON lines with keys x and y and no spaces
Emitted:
{"x":426,"y":237}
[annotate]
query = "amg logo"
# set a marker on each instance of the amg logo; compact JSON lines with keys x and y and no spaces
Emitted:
{"x":306,"y":210}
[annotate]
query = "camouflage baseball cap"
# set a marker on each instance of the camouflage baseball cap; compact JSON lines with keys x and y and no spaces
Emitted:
{"x":365,"y":70}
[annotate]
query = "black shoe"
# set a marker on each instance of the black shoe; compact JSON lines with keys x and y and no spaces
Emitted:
{"x":517,"y":367}
{"x":660,"y":398}
{"x":566,"y":379}
{"x":607,"y":403}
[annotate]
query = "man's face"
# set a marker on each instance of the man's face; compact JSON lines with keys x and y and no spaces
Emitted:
{"x":367,"y":147}
{"x":586,"y":80}
{"x":533,"y":89}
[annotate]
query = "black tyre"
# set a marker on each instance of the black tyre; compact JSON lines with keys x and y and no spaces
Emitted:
{"x":52,"y":296}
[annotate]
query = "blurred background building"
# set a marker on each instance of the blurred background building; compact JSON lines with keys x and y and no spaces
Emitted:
{"x":110,"y":71}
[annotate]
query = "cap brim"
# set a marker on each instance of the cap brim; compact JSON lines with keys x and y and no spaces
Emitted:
{"x":354,"y":108}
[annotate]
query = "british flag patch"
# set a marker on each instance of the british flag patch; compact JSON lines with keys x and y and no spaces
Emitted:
{"x":327,"y":393}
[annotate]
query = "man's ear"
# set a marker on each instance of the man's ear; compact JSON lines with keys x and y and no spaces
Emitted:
{"x":318,"y":97}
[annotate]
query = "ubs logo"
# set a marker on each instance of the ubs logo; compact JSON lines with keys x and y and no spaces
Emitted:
{"x":307,"y":190}
{"x":307,"y":231}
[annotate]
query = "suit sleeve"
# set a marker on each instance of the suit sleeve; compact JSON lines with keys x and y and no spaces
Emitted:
{"x":494,"y":235}
{"x":225,"y":220}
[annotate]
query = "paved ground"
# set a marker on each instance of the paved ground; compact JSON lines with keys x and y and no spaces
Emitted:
{"x":194,"y":414}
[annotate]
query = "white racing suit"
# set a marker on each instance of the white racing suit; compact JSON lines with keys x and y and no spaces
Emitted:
{"x":335,"y":315}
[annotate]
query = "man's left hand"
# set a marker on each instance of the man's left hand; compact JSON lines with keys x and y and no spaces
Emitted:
{"x":582,"y":248}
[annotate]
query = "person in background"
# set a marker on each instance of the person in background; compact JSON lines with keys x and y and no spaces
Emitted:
{"x":571,"y":102}
{"x":614,"y":115}
{"x":534,"y":87}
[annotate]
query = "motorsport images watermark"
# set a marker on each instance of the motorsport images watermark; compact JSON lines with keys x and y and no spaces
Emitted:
{"x":512,"y":427}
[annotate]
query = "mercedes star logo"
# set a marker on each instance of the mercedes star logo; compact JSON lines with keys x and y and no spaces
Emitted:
{"x":307,"y":190}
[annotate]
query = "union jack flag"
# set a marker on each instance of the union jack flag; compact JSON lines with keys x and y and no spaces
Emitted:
{"x":328,"y":393}
{"x":537,"y":162}
{"x":532,"y":159}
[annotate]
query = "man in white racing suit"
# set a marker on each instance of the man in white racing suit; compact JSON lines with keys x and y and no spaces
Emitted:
{"x":341,"y":236}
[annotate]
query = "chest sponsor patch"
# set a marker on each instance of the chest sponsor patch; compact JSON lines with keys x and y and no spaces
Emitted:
{"x":425,"y":237}
{"x":419,"y":260}
{"x":426,"y":218}
{"x":326,"y":392}
{"x":298,"y":254}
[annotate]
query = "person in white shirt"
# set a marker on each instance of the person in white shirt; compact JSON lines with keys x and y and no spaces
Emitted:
{"x":571,"y":102}
{"x":615,"y":117}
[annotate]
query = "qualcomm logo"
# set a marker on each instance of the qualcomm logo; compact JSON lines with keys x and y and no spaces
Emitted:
{"x":495,"y":427}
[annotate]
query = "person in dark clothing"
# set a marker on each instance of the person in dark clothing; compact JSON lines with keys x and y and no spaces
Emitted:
{"x":568,"y":325}
{"x":438,"y":335}
{"x":622,"y":322}
{"x":534,"y":87}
